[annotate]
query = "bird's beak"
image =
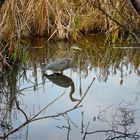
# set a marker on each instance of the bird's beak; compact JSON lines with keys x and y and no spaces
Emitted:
{"x":76,"y":48}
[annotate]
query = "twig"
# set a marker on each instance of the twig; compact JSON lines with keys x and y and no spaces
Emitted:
{"x":56,"y":115}
{"x":66,"y":127}
{"x":71,"y":120}
{"x":82,"y":123}
{"x":86,"y":131}
{"x":34,"y":118}
{"x":69,"y":127}
{"x":133,"y":48}
{"x":61,"y":127}
{"x":46,"y":107}
{"x":121,"y":134}
{"x":86,"y":92}
{"x":17,"y":104}
{"x":27,"y":120}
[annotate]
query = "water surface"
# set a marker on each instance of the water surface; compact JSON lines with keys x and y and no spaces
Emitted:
{"x":98,"y":98}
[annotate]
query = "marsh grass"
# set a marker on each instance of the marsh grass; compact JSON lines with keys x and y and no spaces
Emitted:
{"x":64,"y":19}
{"x":61,"y":19}
{"x":94,"y":56}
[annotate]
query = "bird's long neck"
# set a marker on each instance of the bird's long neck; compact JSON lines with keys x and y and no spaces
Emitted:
{"x":72,"y":59}
{"x":72,"y":92}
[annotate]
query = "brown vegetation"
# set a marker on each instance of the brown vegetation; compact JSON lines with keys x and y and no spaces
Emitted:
{"x":63,"y":19}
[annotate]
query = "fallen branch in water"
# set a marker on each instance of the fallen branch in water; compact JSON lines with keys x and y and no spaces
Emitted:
{"x":121,"y":124}
{"x":36,"y":118}
{"x":117,"y":134}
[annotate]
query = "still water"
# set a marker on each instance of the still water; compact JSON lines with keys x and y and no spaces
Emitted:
{"x":98,"y":98}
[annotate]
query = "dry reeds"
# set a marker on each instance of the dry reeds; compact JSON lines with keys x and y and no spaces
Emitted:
{"x":64,"y":19}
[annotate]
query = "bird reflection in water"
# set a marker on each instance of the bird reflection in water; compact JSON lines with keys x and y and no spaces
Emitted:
{"x":63,"y":81}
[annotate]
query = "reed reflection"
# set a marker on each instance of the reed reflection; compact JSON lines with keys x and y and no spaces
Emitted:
{"x":63,"y":81}
{"x":95,"y":56}
{"x":8,"y":97}
{"x":103,"y":61}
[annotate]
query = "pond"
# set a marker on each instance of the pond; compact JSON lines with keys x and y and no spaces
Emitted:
{"x":98,"y":98}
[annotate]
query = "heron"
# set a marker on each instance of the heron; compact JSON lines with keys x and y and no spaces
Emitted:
{"x":62,"y":64}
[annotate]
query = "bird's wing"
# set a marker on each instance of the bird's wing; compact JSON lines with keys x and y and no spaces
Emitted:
{"x":60,"y":63}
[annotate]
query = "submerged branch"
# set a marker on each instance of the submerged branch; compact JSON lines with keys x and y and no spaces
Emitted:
{"x":18,"y":107}
{"x":86,"y":92}
{"x":120,"y":134}
{"x":34,"y":118}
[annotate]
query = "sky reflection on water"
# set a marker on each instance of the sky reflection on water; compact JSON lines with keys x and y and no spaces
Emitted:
{"x":113,"y":95}
{"x":101,"y":94}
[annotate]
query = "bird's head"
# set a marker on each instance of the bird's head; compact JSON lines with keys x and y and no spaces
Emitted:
{"x":75,"y":48}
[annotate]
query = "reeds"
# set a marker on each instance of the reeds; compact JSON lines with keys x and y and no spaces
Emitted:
{"x":65,"y":19}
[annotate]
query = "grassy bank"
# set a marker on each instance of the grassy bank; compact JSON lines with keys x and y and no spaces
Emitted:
{"x":65,"y":18}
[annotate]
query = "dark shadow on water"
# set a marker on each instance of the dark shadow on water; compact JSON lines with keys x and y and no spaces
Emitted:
{"x":63,"y":81}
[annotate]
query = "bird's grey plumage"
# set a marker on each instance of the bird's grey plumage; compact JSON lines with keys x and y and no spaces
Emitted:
{"x":63,"y":63}
{"x":60,"y":64}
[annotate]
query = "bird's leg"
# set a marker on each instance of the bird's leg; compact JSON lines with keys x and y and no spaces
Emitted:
{"x":55,"y":73}
{"x":61,"y":72}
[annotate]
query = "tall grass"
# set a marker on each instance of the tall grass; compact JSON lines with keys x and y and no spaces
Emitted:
{"x":64,"y":18}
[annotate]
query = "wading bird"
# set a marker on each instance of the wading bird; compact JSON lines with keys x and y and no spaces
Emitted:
{"x":64,"y":63}
{"x":60,"y":65}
